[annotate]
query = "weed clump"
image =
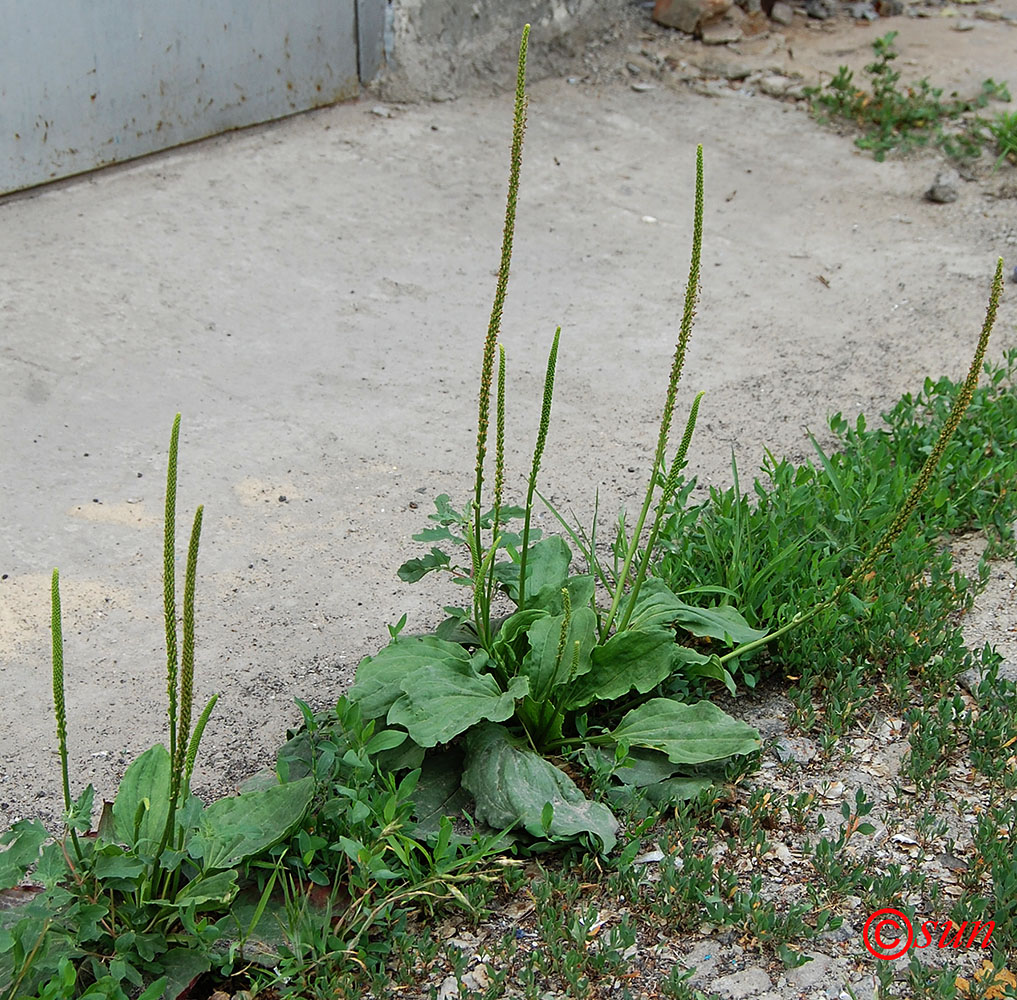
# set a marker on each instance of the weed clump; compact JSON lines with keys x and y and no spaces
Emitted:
{"x":895,"y":116}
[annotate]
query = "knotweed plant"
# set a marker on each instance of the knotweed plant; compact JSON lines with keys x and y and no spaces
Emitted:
{"x":588,"y":671}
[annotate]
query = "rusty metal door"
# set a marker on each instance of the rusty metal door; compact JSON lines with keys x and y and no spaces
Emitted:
{"x":85,"y":83}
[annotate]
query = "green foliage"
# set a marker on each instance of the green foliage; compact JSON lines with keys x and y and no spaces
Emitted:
{"x":369,"y":852}
{"x":132,"y":907}
{"x":1003,"y":128}
{"x":785,"y":544}
{"x":895,"y":116}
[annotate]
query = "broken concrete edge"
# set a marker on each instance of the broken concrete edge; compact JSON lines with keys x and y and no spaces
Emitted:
{"x":439,"y":49}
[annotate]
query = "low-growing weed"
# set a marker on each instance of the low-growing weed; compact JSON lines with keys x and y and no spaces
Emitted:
{"x":895,"y":116}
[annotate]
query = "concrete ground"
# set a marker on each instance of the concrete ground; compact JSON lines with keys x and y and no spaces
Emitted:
{"x":313,"y":296}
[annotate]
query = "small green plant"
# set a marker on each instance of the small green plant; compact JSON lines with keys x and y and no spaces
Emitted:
{"x":895,"y":116}
{"x":143,"y":902}
{"x":1003,"y":129}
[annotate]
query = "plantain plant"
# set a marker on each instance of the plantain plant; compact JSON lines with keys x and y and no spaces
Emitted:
{"x":145,"y":900}
{"x":587,"y":672}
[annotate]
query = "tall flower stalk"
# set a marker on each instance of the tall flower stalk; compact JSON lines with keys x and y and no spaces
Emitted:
{"x":494,"y":325}
{"x":677,"y":364}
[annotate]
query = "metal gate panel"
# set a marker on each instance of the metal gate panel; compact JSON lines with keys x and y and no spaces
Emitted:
{"x":85,"y":83}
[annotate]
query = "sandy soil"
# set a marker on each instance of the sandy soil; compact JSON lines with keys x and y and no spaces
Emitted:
{"x":313,"y":296}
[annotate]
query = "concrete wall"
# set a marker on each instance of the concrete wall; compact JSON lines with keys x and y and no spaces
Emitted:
{"x":437,"y":49}
{"x":84,"y":84}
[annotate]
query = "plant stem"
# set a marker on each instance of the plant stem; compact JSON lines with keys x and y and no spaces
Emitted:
{"x":685,"y":331}
{"x":670,"y":486}
{"x":538,"y":454}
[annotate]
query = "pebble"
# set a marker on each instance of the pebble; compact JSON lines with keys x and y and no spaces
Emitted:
{"x":964,"y":26}
{"x":944,"y":187}
{"x":721,"y":32}
{"x":821,"y":10}
{"x":774,"y":86}
{"x":745,"y":983}
{"x":782,"y":13}
{"x":864,"y":11}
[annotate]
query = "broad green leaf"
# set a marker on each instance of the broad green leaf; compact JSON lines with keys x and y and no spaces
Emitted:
{"x":638,"y":659}
{"x":511,"y":785}
{"x":580,"y":589}
{"x":542,"y":666}
{"x":547,"y":566}
{"x":23,"y":841}
{"x":218,"y":889}
{"x":439,"y":792}
{"x":112,"y":866}
{"x":379,"y":678}
{"x":698,"y":665}
{"x":181,"y":966}
{"x":387,"y":739}
{"x":442,"y":700}
{"x":511,"y":642}
{"x":236,"y":828}
{"x":687,"y":734}
{"x":657,"y":606}
{"x":141,"y":806}
{"x":668,"y":792}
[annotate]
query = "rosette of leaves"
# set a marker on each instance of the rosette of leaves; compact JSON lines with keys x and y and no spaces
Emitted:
{"x":508,"y":716}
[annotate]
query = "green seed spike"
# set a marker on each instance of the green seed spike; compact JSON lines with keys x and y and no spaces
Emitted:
{"x":936,"y":455}
{"x":684,"y":332}
{"x":499,"y":446}
{"x":59,"y":707}
{"x":56,"y":631}
{"x":169,"y":584}
{"x":574,"y":668}
{"x":538,"y":454}
{"x":187,"y":653}
{"x":900,"y":520}
{"x":195,"y":742}
{"x":494,"y":326}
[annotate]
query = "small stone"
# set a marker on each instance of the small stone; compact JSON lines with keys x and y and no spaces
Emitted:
{"x":642,"y":88}
{"x":944,"y":187}
{"x":964,"y":26}
{"x":721,"y":32}
{"x":782,"y":13}
{"x":821,"y":10}
{"x":889,"y":8}
{"x":1013,"y":277}
{"x":812,"y":974}
{"x":863,"y":11}
{"x":688,"y":15}
{"x":745,"y":983}
{"x":633,"y":68}
{"x":774,"y":86}
{"x":381,"y":111}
